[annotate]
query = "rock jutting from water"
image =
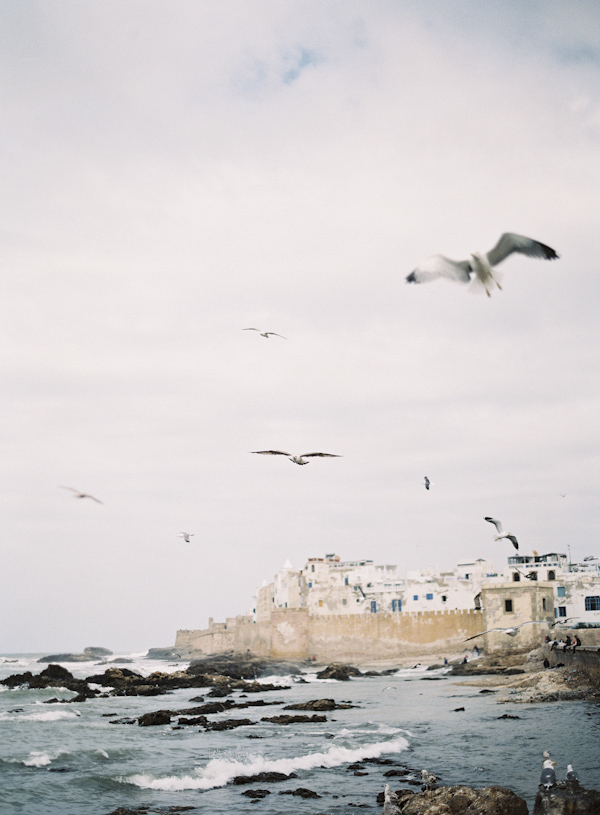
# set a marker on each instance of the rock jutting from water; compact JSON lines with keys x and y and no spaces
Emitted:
{"x":567,"y":798}
{"x":457,"y":800}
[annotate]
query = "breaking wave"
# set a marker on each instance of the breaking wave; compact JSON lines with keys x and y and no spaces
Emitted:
{"x":220,"y":771}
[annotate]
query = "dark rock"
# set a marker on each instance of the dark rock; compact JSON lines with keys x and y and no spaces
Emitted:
{"x":480,"y":668}
{"x":392,"y":773}
{"x":458,"y":709}
{"x":219,"y":692}
{"x":243,"y":666}
{"x":157,"y":717}
{"x":65,"y":658}
{"x":461,"y":800}
{"x":358,"y":772}
{"x":387,"y":761}
{"x":124,"y":720}
{"x":338,"y":670}
{"x":508,"y":716}
{"x":301,"y":792}
{"x":120,"y":661}
{"x":567,"y":798}
{"x":435,"y":667}
{"x":228,"y":724}
{"x":196,"y":720}
{"x":485,"y":690}
{"x":256,"y":793}
{"x":319,"y":704}
{"x":269,"y":776}
{"x":293,"y":719}
{"x":356,"y":766}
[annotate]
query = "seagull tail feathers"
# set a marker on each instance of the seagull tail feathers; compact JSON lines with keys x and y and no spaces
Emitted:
{"x":478,"y":286}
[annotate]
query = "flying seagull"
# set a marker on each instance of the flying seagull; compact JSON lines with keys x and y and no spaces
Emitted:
{"x":295,"y":459}
{"x":78,"y":494}
{"x":512,"y":632}
{"x":427,"y":483}
{"x":186,"y":536}
{"x":479,"y":269}
{"x":501,"y":533}
{"x":265,"y":334}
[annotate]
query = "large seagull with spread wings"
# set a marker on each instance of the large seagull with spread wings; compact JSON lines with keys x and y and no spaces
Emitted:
{"x":479,"y":271}
{"x":295,"y":459}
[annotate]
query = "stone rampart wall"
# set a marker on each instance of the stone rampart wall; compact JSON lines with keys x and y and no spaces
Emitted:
{"x":293,"y":633}
{"x":585,"y":658}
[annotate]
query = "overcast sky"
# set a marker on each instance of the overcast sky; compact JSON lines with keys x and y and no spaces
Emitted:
{"x":174,"y":172}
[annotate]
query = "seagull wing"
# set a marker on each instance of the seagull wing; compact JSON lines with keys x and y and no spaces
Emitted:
{"x":440,"y":266}
{"x":509,"y":243}
{"x":496,"y":523}
{"x":273,"y":334}
{"x":271,"y":453}
{"x":482,"y":633}
{"x":250,"y":329}
{"x":70,"y":488}
{"x":514,"y":542}
{"x":529,"y":622}
{"x":322,"y":455}
{"x":87,"y":495}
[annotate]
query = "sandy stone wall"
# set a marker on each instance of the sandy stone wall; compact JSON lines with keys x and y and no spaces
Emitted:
{"x":293,"y":633}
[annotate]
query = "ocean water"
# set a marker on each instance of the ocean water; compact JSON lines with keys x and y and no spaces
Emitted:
{"x":69,"y":759}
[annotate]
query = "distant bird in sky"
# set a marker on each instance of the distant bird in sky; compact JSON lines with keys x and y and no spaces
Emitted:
{"x":265,"y":334}
{"x":501,"y":533}
{"x":295,"y":459}
{"x":78,"y":494}
{"x":563,"y":494}
{"x":548,"y":776}
{"x":427,"y":483}
{"x":479,"y":269}
{"x":512,"y":632}
{"x":186,"y":536}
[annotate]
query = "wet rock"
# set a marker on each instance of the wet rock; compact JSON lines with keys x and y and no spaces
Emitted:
{"x":338,"y":670}
{"x":480,"y":668}
{"x":196,"y":720}
{"x":567,"y":798}
{"x":301,"y":792}
{"x":256,"y":793}
{"x":120,"y":661}
{"x":269,"y":776}
{"x":461,"y":799}
{"x":244,"y":666}
{"x":399,"y":773}
{"x":54,"y":676}
{"x":157,"y":717}
{"x":458,"y":710}
{"x":124,"y":720}
{"x":358,"y":772}
{"x":283,"y":719}
{"x":65,"y":658}
{"x":228,"y":724}
{"x":319,"y":704}
{"x":508,"y":716}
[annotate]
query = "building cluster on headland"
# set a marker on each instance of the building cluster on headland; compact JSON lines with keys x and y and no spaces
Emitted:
{"x":359,"y":609}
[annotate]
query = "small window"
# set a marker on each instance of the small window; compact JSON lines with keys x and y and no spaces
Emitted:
{"x":344,"y":601}
{"x":592,"y":603}
{"x":562,"y":611}
{"x":551,"y":575}
{"x":373,"y":606}
{"x":543,"y":603}
{"x":415,"y":597}
{"x":312,"y":568}
{"x":444,"y":598}
{"x":310,"y":585}
{"x":429,"y":596}
{"x":396,"y":605}
{"x":508,"y":606}
{"x":516,"y":577}
{"x":533,"y":576}
{"x":560,"y":591}
{"x":345,"y":581}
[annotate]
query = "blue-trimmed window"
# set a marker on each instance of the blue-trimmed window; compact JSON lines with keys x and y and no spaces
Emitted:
{"x":374,"y":606}
{"x":429,"y":596}
{"x":560,"y":591}
{"x":562,"y":611}
{"x":592,"y":603}
{"x":415,"y":596}
{"x":396,"y":605}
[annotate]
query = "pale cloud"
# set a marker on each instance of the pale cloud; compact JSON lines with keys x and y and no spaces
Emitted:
{"x":177,"y":172}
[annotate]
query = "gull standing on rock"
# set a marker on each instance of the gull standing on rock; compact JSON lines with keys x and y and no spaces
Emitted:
{"x":429,"y":780}
{"x":295,"y":459}
{"x":265,"y":334}
{"x":479,"y":269}
{"x":548,"y":776}
{"x":501,"y":533}
{"x":390,"y":801}
{"x":78,"y":494}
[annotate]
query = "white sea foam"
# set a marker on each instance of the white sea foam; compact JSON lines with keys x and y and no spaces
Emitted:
{"x":37,"y":758}
{"x":46,"y":716}
{"x":220,"y":771}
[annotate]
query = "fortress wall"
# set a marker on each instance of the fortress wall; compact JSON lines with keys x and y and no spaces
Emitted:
{"x":294,"y":634}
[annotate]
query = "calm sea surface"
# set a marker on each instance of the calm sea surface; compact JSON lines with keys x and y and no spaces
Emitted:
{"x":69,"y":759}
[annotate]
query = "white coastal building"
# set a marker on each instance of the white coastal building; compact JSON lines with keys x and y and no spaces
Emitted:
{"x":330,"y":586}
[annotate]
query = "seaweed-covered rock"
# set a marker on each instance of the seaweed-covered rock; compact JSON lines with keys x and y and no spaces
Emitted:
{"x":155,"y":718}
{"x":460,"y":799}
{"x":267,"y":776}
{"x":285,"y":719}
{"x":567,"y":798}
